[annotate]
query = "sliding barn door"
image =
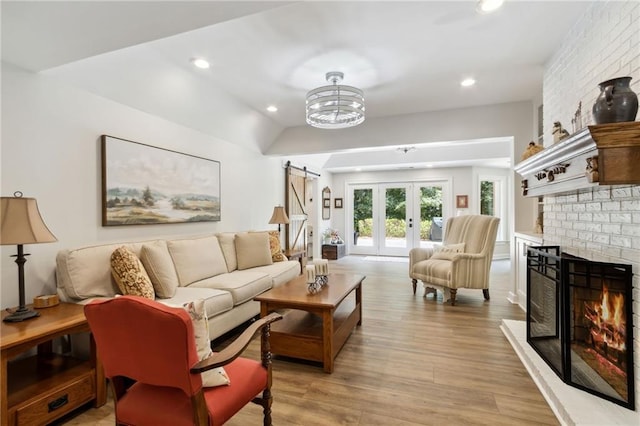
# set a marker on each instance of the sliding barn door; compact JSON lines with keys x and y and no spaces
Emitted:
{"x":295,"y":194}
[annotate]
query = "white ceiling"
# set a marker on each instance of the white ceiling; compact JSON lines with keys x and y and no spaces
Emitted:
{"x":408,"y":57}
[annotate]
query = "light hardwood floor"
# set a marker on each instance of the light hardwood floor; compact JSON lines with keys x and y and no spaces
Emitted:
{"x":413,"y":361}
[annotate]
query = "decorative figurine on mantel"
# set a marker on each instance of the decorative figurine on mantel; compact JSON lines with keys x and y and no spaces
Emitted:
{"x":591,"y":171}
{"x":558,"y":132}
{"x":532,"y":149}
{"x":576,"y":121}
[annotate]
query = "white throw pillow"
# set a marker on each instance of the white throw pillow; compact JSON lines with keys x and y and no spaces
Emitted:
{"x":448,"y":252}
{"x":216,"y":376}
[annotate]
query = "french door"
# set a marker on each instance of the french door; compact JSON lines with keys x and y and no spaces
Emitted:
{"x":389,"y":219}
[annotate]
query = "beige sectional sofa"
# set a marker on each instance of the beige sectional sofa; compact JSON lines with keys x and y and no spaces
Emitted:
{"x":226,"y":270}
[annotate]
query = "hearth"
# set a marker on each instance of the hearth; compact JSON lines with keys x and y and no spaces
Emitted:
{"x":579,"y":321}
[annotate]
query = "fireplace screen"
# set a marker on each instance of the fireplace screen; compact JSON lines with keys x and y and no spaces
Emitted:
{"x":579,"y":321}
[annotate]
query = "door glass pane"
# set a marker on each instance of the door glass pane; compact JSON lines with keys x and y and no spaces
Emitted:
{"x":395,"y":226}
{"x":363,"y":217}
{"x":430,"y":215}
{"x":487,"y":198}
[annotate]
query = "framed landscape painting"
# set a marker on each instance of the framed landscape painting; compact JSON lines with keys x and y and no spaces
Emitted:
{"x":142,"y":184}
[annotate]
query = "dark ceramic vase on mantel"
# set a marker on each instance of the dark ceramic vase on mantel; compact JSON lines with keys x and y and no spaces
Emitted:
{"x":616,"y":102}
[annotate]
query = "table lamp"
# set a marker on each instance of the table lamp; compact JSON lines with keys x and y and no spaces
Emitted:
{"x":279,"y":216}
{"x":21,"y":223}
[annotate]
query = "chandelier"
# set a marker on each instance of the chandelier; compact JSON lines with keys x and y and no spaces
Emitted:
{"x":335,"y":106}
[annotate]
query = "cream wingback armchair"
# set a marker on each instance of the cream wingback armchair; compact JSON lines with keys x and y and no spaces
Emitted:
{"x":463,"y":261}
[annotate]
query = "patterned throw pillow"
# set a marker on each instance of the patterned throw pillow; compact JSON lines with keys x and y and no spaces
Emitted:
{"x":130,"y":275}
{"x":448,"y":252}
{"x":274,"y":246}
{"x":216,"y":376}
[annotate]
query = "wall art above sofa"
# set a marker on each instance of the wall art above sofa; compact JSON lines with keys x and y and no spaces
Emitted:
{"x":143,"y":184}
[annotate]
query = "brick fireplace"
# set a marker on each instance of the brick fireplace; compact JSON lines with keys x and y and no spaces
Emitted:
{"x":578,"y":321}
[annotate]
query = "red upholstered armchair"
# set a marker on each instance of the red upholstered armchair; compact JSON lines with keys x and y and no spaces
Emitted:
{"x":149,"y":355}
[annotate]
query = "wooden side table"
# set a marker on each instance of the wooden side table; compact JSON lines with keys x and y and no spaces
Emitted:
{"x":299,"y":255}
{"x":41,"y":388}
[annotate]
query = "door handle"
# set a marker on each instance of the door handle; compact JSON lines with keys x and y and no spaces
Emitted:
{"x":410,"y":222}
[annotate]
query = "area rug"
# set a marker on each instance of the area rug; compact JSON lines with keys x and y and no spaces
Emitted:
{"x":387,"y":259}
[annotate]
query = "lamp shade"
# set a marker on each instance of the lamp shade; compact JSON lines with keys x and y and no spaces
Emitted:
{"x":279,"y":216}
{"x":21,"y":223}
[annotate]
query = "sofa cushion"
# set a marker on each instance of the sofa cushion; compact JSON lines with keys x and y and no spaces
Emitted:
{"x":280,"y":272}
{"x":159,"y":265}
{"x":86,"y":272}
{"x":434,"y":271}
{"x":197,"y":258}
{"x":130,"y":275}
{"x":215,"y":301}
{"x":228,"y":246}
{"x":243,"y":285}
{"x":252,"y":249}
{"x":214,"y":377}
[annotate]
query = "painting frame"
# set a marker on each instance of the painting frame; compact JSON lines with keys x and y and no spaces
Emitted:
{"x":147,"y":185}
{"x":337,"y":203}
{"x":462,"y":201}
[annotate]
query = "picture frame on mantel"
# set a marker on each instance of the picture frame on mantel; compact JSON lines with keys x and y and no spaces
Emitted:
{"x":144,"y":184}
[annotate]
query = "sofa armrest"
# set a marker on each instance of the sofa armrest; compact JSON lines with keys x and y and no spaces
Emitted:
{"x":233,"y":351}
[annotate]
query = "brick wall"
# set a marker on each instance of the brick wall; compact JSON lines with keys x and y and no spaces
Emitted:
{"x":604,"y":44}
{"x":600,"y":224}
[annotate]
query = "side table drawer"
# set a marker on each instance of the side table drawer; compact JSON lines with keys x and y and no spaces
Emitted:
{"x":53,"y":405}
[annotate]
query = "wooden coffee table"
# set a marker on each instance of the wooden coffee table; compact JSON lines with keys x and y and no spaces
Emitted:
{"x":317,"y":325}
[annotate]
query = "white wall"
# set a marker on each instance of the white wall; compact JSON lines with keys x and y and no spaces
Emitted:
{"x":50,"y":151}
{"x":604,"y":44}
{"x":601,"y":224}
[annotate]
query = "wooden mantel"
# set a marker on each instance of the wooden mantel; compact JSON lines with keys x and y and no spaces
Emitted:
{"x":604,"y":154}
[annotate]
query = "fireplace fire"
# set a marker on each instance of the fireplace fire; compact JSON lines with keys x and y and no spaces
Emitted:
{"x":578,"y":320}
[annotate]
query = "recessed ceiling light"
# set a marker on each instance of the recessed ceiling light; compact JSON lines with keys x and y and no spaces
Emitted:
{"x":488,"y":6}
{"x":200,"y":63}
{"x":467,"y":82}
{"x":358,"y":169}
{"x":429,"y":165}
{"x":272,"y":108}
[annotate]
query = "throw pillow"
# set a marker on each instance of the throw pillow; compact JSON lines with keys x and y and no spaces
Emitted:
{"x":158,"y":263}
{"x":448,"y":252}
{"x":228,"y":247}
{"x":274,"y":246}
{"x":252,"y":249}
{"x":217,"y":376}
{"x":130,"y":275}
